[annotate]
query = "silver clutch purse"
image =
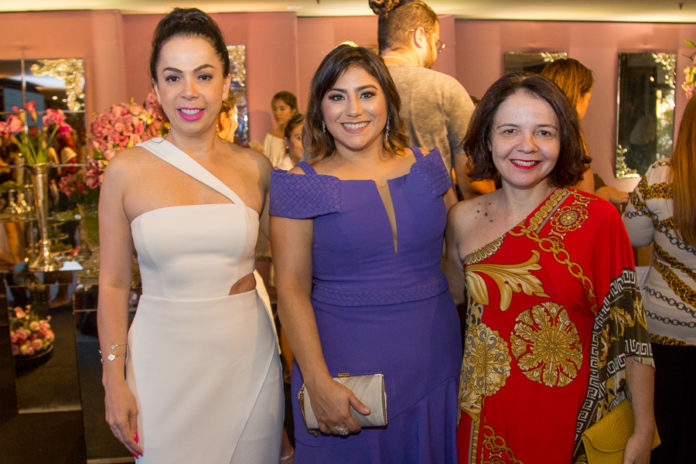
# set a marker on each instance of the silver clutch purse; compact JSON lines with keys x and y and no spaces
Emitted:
{"x":370,"y":391}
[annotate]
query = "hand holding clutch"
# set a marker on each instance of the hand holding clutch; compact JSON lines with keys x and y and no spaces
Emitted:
{"x":370,"y":391}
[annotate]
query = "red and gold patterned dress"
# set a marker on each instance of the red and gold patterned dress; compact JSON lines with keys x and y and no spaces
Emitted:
{"x":553,"y":311}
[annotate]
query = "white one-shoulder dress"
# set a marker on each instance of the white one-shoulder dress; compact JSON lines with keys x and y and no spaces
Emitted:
{"x":202,"y":364}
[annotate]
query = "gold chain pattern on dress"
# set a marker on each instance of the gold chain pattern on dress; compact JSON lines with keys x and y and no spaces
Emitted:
{"x":664,"y":340}
{"x":554,"y":243}
{"x":662,"y":190}
{"x":539,"y":217}
{"x":672,"y":261}
{"x":683,"y":291}
{"x":560,"y":254}
{"x":494,"y":450}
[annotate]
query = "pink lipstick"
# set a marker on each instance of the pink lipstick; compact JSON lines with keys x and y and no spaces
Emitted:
{"x":190,"y":114}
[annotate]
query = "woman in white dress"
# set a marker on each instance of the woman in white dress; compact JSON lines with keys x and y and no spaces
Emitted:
{"x":202,"y":377}
{"x":284,"y":106}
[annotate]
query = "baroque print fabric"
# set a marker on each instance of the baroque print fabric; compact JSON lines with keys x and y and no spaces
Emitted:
{"x":553,"y":311}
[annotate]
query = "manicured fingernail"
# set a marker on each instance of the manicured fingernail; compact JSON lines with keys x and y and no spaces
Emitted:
{"x":135,"y":437}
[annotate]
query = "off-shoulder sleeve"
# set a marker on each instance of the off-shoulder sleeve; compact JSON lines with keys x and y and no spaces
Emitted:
{"x":433,"y":170}
{"x":299,"y":196}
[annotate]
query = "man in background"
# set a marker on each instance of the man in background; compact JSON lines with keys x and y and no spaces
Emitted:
{"x":434,"y":106}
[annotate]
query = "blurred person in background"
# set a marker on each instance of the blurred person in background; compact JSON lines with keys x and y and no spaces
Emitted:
{"x":662,"y":211}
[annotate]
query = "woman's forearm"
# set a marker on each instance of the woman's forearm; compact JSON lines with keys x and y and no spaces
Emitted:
{"x":297,"y":317}
{"x":641,"y":384}
{"x":112,"y":324}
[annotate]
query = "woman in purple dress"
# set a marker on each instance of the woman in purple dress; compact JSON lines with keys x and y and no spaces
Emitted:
{"x":357,"y":234}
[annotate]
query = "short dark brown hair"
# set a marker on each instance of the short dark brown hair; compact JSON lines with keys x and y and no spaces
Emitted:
{"x":319,"y":143}
{"x":572,"y":159}
{"x":399,"y":18}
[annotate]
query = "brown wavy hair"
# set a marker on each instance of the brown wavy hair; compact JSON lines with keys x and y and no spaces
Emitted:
{"x":319,"y":143}
{"x":683,"y":173}
{"x":572,"y":158}
{"x":398,"y":19}
{"x":573,"y":78}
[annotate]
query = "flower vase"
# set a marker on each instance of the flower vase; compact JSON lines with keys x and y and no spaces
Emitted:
{"x":89,"y":239}
{"x":44,"y":261}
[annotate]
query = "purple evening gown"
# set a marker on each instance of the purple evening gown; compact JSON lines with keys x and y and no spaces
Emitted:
{"x":381,"y":311}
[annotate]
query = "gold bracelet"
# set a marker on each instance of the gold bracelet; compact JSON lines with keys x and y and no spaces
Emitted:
{"x":111,"y":356}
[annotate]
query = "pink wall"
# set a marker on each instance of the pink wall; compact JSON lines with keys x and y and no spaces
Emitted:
{"x":96,"y":36}
{"x":283,"y":52}
{"x":480,"y":63}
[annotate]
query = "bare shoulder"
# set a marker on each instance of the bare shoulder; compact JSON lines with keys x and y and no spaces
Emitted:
{"x":251,"y":157}
{"x":463,"y":214}
{"x":126,"y":162}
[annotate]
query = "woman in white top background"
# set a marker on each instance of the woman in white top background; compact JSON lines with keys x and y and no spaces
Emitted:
{"x":662,"y":211}
{"x":284,"y":106}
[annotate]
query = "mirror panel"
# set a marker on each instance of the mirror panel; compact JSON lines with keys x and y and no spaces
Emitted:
{"x":238,"y":89}
{"x":532,"y":62}
{"x":645,"y":113}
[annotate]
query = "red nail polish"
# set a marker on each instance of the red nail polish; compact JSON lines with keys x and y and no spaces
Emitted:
{"x":135,"y":437}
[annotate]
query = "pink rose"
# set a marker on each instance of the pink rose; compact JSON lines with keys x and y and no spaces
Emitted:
{"x":37,"y":344}
{"x":50,"y":336}
{"x":13,"y":337}
{"x":64,"y":130}
{"x":19,"y":314}
{"x":15,"y":350}
{"x":34,"y":326}
{"x":22,"y":335}
{"x":52,"y":116}
{"x":29,"y":349}
{"x":15,"y":124}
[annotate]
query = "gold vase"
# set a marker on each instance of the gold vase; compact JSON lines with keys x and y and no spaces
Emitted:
{"x":44,"y":261}
{"x":89,"y":239}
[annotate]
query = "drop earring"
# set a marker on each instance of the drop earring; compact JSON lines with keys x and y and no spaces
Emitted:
{"x":323,"y":127}
{"x":387,"y":130}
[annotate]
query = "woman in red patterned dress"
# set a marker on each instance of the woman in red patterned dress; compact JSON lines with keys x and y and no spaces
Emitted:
{"x":556,"y":334}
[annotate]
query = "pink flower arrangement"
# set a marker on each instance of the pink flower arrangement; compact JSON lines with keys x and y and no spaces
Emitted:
{"x":124,"y":125}
{"x":690,"y":73}
{"x":29,"y":334}
{"x":33,"y":143}
{"x":84,"y":181}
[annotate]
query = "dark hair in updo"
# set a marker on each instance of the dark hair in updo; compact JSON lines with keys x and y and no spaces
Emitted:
{"x":572,"y":158}
{"x":188,"y":22}
{"x":318,"y":142}
{"x":399,"y":18}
